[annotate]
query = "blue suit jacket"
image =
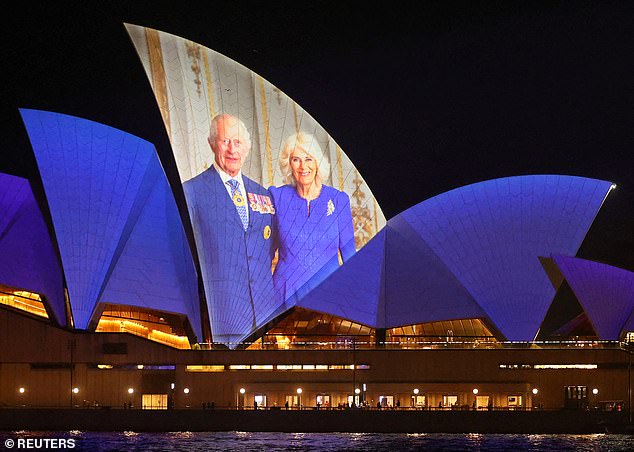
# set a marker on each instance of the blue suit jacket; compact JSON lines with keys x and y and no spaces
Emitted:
{"x":235,"y":265}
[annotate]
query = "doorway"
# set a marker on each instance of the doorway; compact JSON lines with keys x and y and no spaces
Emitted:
{"x":386,"y":401}
{"x":259,"y":401}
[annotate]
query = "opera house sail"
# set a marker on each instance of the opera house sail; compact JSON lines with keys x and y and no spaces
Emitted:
{"x":116,"y":223}
{"x":195,"y":88}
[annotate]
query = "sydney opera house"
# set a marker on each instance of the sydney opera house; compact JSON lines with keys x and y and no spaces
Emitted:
{"x":117,"y":294}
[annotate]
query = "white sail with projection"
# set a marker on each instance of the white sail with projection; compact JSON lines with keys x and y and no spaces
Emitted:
{"x":193,"y":85}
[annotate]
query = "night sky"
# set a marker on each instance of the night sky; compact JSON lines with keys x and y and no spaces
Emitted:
{"x":424,"y":97}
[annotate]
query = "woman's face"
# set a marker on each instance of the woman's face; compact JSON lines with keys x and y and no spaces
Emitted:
{"x":304,"y":166}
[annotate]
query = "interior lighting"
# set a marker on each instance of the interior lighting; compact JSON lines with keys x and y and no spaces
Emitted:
{"x":566,"y":366}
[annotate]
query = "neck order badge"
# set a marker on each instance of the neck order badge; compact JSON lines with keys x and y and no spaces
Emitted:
{"x":239,"y":202}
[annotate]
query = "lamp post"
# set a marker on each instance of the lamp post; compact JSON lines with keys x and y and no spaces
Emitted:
{"x":186,"y":392}
{"x":22,"y":391}
{"x":238,"y":395}
{"x":73,"y":392}
{"x":535,"y":391}
{"x":416,"y":391}
{"x":299,"y":397}
{"x":475,"y":398}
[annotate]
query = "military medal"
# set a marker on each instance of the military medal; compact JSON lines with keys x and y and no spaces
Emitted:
{"x":268,"y":204}
{"x":267,"y":232}
{"x":238,"y":200}
{"x":253,"y":202}
{"x":260,"y":203}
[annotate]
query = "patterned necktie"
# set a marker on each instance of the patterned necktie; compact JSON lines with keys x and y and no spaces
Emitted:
{"x":239,"y":202}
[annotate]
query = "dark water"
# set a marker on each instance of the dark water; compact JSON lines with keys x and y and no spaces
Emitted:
{"x":242,"y":441}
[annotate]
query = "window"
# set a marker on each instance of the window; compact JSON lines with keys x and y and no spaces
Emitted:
{"x":449,"y":401}
{"x":154,"y":401}
{"x":322,"y":400}
{"x":575,"y":396}
{"x":419,"y":401}
{"x":220,"y":368}
{"x":259,"y":400}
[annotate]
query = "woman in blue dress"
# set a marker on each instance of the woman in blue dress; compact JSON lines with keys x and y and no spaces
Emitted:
{"x":313,"y":221}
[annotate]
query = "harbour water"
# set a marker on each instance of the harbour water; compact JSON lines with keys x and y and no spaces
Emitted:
{"x":248,"y":441}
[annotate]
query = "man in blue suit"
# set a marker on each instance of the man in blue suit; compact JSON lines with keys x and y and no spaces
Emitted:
{"x":232,"y":219}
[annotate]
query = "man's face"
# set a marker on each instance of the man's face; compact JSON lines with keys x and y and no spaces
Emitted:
{"x":229,"y":147}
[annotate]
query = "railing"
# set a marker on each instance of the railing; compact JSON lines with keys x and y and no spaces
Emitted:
{"x":419,"y":344}
{"x":461,"y":408}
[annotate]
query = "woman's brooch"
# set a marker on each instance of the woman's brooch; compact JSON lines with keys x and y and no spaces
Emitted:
{"x":331,"y":208}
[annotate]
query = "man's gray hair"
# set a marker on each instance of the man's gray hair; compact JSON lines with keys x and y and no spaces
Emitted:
{"x":243,"y":132}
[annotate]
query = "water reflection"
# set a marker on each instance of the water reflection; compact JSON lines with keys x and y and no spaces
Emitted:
{"x":246,"y":441}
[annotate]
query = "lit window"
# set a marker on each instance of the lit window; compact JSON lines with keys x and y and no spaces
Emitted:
{"x":205,"y":368}
{"x":25,"y":301}
{"x":548,"y":366}
{"x":289,"y":367}
{"x":565,"y":366}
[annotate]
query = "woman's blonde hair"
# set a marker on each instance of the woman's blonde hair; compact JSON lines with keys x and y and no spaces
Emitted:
{"x":308,"y":143}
